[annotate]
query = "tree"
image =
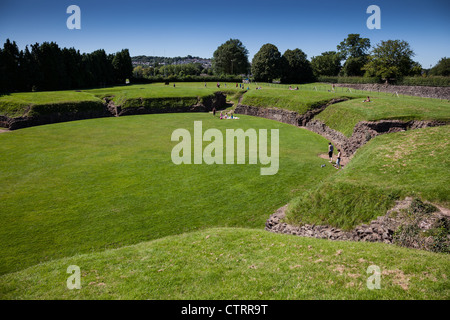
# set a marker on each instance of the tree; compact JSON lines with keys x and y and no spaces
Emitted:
{"x":327,"y":64}
{"x":442,"y":68}
{"x":297,"y":68}
{"x":390,"y":59}
{"x":231,"y":58}
{"x":123,"y":67}
{"x":9,"y":66}
{"x":354,"y":46}
{"x":355,"y":50}
{"x":353,"y":67}
{"x":51,"y":71}
{"x":416,"y":69}
{"x":267,"y":63}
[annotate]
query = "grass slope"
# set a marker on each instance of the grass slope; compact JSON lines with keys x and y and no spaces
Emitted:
{"x":412,"y":163}
{"x":344,"y":116}
{"x":233,"y":263}
{"x":19,"y":104}
{"x":90,"y":185}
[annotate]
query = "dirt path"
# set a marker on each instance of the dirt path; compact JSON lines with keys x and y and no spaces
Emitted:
{"x":4,"y":130}
{"x":344,"y":160}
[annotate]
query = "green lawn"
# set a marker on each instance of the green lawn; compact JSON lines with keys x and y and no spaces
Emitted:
{"x":238,"y":264}
{"x":389,"y":167}
{"x":90,"y":185}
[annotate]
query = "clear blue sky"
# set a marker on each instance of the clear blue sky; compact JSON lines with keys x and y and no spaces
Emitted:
{"x":182,"y":27}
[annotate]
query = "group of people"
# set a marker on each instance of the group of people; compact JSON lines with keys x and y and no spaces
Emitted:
{"x":330,"y":155}
{"x":228,"y":115}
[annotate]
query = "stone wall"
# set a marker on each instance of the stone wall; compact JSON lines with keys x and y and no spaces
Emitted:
{"x":362,"y":133}
{"x":383,"y":229}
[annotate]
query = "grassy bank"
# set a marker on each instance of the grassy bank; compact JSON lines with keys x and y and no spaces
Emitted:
{"x":389,"y":167}
{"x":344,"y":116}
{"x":233,"y":263}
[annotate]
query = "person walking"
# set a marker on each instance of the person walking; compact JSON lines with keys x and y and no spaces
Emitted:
{"x":330,"y":151}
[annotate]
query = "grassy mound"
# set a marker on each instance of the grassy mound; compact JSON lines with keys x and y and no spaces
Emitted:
{"x":413,"y":163}
{"x":344,"y":116}
{"x":35,"y":103}
{"x":299,"y":101}
{"x":90,"y":185}
{"x":233,"y":263}
{"x":158,"y":94}
{"x":151,"y":96}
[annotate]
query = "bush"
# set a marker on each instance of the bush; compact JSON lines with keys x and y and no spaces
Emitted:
{"x":411,"y":235}
{"x":432,"y":81}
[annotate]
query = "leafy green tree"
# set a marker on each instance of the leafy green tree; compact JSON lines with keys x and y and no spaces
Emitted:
{"x":354,"y":46}
{"x":442,"y":68}
{"x":390,"y":59}
{"x":354,"y":50}
{"x":327,"y":64}
{"x":267,"y":63}
{"x":297,"y":68}
{"x":416,"y":69}
{"x":231,"y":58}
{"x":353,"y":67}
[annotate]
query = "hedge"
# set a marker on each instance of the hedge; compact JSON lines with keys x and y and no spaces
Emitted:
{"x":431,"y":81}
{"x":349,"y":80}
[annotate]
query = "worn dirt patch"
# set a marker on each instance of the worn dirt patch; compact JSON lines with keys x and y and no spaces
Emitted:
{"x":344,"y":160}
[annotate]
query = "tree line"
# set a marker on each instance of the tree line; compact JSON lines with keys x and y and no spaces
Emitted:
{"x":179,"y":70}
{"x":46,"y":66}
{"x":389,"y":60}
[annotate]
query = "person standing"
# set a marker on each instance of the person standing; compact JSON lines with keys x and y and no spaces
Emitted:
{"x":338,"y":162}
{"x":214,"y":111}
{"x":330,"y":151}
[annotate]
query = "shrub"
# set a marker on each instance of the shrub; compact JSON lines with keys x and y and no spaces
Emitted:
{"x":432,"y":81}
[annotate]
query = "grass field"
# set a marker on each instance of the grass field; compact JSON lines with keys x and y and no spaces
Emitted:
{"x":389,"y":167}
{"x":91,"y":185}
{"x":234,"y":263}
{"x":104,"y":194}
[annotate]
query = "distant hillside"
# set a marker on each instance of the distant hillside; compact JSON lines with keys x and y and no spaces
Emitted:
{"x":151,"y":60}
